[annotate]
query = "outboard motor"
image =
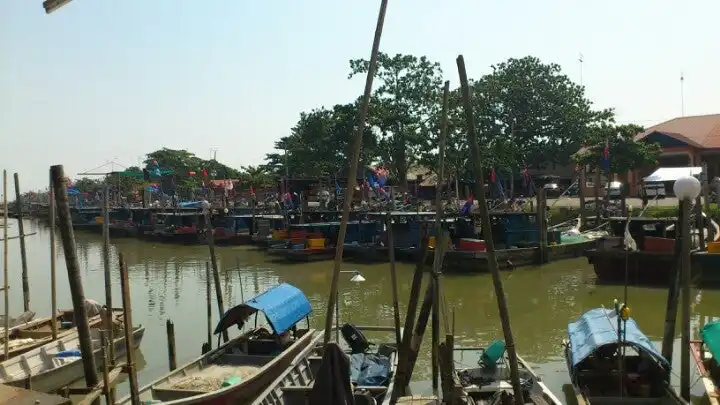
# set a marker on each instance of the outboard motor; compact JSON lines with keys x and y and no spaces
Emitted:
{"x":354,"y":338}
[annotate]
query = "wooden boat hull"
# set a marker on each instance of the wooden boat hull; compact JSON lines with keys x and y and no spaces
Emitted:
{"x":645,"y":268}
{"x":303,"y":255}
{"x":240,"y":239}
{"x":41,"y":329}
{"x":53,"y":379}
{"x":706,"y":268}
{"x":365,"y":253}
{"x":711,"y":389}
{"x":242,"y":392}
{"x":473,"y":262}
{"x":296,"y":381}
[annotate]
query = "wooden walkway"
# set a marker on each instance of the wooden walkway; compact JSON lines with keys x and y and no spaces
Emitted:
{"x":19,"y":396}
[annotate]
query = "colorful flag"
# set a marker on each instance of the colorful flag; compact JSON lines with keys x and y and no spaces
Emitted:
{"x":468,"y":205}
{"x":605,"y":161}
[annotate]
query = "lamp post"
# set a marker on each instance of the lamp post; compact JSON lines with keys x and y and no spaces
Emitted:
{"x":686,"y":189}
{"x":356,"y":278}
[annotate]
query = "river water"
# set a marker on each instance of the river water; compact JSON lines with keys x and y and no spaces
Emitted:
{"x":168,"y":282}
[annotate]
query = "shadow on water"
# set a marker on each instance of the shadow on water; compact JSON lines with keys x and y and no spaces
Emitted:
{"x":168,"y":282}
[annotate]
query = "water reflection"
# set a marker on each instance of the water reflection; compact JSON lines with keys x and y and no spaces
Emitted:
{"x":169,"y":282}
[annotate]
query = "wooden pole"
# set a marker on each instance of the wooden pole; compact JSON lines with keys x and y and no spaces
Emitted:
{"x":208,"y":302}
{"x":356,"y":146}
{"x":53,"y":255}
{"x":172,"y":358}
{"x":215,"y":273}
{"x":23,"y":251}
{"x":543,"y":225}
{"x":106,"y":362}
{"x":6,"y":287}
{"x":706,"y":197}
{"x":237,"y":264}
{"x":128,"y":326}
{"x":441,"y":241}
{"x":581,"y":196}
{"x":74,"y":277}
{"x":393,"y":279}
{"x":673,"y":294}
{"x":106,"y":268}
{"x":487,"y":233}
{"x":685,"y":244}
{"x":699,"y":223}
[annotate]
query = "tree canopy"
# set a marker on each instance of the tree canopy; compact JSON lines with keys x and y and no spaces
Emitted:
{"x":529,"y":115}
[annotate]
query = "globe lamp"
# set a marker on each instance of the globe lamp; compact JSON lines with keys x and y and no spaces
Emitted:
{"x":687,"y":187}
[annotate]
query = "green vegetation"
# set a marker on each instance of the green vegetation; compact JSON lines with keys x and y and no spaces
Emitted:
{"x":529,"y":115}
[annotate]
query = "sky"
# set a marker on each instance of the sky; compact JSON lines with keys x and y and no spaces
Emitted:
{"x":102,"y":80}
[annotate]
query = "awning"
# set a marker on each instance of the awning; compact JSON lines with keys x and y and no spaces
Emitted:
{"x":598,"y":327}
{"x":283,"y":306}
{"x":710,"y":334}
{"x":672,"y":173}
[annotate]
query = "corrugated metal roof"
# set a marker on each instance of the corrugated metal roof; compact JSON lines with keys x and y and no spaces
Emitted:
{"x":701,"y":131}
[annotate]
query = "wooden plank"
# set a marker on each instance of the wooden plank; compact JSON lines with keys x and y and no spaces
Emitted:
{"x":18,"y":396}
{"x":91,"y":394}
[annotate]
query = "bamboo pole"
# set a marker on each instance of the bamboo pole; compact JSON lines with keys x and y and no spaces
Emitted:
{"x":6,"y":287}
{"x":128,"y":329}
{"x":74,"y":277}
{"x":23,"y":251}
{"x":19,"y":237}
{"x":487,"y":233}
{"x":208,"y":304}
{"x":215,"y":273}
{"x":393,"y":279}
{"x":106,"y":268}
{"x":440,"y":238}
{"x":53,"y":255}
{"x":356,"y":146}
{"x":105,"y":371}
{"x":671,"y":305}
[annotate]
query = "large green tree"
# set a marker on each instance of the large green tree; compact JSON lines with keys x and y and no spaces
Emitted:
{"x":404,"y":104}
{"x":625,"y":153}
{"x":319,"y":144}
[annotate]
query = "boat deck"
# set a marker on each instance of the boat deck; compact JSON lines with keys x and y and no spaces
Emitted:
{"x":212,"y":378}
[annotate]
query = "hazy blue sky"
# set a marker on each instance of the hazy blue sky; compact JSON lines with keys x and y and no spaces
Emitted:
{"x":100,"y":79}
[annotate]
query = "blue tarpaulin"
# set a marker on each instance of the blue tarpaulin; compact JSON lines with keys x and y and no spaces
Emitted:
{"x":598,"y":327}
{"x":370,"y":370}
{"x":283,"y":306}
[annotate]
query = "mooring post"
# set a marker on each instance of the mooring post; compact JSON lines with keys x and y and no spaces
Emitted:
{"x":685,"y":244}
{"x":208,"y":303}
{"x":74,"y":278}
{"x":393,"y":278}
{"x":6,"y":287}
{"x":172,"y":359}
{"x":128,"y":326}
{"x":671,"y":305}
{"x":106,"y":268}
{"x":23,"y":252}
{"x":53,"y":254}
{"x":105,"y":369}
{"x":543,"y":223}
{"x":215,"y":273}
{"x":487,"y":233}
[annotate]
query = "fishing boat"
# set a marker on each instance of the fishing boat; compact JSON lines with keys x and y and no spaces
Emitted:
{"x":23,"y":318}
{"x":236,"y":371}
{"x":517,"y":238}
{"x":59,"y":363}
{"x":610,"y":361}
{"x":87,"y":218}
{"x":28,"y":336}
{"x":233,"y":229}
{"x":181,"y":226}
{"x":490,"y":381}
{"x":268,"y":229}
{"x":315,"y":369}
{"x":308,"y":242}
{"x":706,"y":353}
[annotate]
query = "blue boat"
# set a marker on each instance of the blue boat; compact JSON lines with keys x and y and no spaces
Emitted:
{"x":611,"y":361}
{"x":237,"y":371}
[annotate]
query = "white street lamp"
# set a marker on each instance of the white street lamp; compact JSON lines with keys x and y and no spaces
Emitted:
{"x":687,"y":188}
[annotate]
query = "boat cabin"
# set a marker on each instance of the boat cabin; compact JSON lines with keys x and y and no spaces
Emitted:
{"x":607,"y":366}
{"x":86,"y":217}
{"x":179,"y":223}
{"x":518,"y":229}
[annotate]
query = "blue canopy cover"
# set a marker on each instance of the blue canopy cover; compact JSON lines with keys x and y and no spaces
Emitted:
{"x":598,"y":327}
{"x":283,"y":305}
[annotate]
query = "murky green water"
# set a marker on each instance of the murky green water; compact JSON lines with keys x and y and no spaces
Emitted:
{"x":168,"y":282}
